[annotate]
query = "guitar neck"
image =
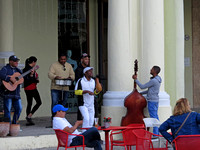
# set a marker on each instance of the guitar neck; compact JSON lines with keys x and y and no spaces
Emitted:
{"x":27,"y":72}
{"x":24,"y":74}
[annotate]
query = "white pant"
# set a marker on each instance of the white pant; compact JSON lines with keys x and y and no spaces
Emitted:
{"x":88,"y":116}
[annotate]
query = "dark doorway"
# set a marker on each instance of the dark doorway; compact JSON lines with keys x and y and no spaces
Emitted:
{"x":196,"y":52}
{"x":102,"y":41}
{"x":73,"y":28}
{"x":73,"y":37}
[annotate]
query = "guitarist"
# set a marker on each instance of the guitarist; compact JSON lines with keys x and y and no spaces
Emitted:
{"x":11,"y":97}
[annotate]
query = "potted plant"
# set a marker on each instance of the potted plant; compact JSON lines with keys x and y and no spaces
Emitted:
{"x":14,"y":129}
{"x":4,"y":126}
{"x":107,"y":122}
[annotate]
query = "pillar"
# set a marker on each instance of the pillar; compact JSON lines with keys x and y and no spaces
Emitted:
{"x":147,"y":24}
{"x":153,"y":49}
{"x":120,"y":59}
{"x":6,"y":30}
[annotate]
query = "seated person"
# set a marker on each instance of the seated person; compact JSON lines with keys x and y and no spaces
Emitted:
{"x":92,"y":136}
{"x":181,"y":111}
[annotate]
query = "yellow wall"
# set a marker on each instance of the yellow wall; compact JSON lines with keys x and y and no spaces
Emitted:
{"x":174,"y":49}
{"x":35,"y":33}
{"x":170,"y":43}
{"x":93,"y":34}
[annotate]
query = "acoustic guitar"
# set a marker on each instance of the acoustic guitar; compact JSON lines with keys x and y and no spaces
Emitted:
{"x":19,"y":79}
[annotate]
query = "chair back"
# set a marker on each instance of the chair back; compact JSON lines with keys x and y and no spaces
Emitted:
{"x":128,"y":136}
{"x":143,"y":139}
{"x":151,"y":122}
{"x":62,"y":137}
{"x":186,"y":142}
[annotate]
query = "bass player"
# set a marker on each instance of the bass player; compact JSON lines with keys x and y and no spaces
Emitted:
{"x":11,"y":98}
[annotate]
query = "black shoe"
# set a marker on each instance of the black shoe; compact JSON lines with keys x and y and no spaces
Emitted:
{"x":49,"y":126}
{"x":29,"y":122}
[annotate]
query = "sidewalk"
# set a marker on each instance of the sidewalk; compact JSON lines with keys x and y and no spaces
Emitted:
{"x":38,"y":137}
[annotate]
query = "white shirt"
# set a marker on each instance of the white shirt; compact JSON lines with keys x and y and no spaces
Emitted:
{"x":61,"y":123}
{"x":90,"y":86}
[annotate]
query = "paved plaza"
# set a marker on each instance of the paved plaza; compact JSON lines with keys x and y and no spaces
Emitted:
{"x":39,"y":137}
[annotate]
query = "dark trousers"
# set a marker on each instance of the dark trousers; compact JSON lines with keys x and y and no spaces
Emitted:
{"x":30,"y":94}
{"x":92,"y":139}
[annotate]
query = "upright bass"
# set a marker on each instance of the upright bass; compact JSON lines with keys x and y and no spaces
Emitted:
{"x":135,"y":103}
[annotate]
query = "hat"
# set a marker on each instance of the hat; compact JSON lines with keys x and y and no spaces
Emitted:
{"x":86,"y":69}
{"x":59,"y":107}
{"x":13,"y":58}
{"x":85,"y":55}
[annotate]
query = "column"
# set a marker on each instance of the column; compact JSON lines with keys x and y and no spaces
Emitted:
{"x":6,"y":30}
{"x":120,"y":58}
{"x":152,"y":43}
{"x":153,"y":49}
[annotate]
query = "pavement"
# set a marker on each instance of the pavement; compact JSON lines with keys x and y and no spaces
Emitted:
{"x":39,"y":136}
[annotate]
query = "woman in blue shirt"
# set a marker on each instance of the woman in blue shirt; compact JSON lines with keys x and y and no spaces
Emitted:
{"x":190,"y":127}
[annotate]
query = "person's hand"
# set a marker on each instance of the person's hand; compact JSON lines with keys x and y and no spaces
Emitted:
{"x":13,"y":80}
{"x":58,"y":77}
{"x":134,"y":77}
{"x":91,"y":93}
{"x":79,"y":122}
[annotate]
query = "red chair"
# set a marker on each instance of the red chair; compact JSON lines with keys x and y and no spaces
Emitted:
{"x":62,"y":137}
{"x":128,"y":138}
{"x":144,"y":141}
{"x":187,"y":142}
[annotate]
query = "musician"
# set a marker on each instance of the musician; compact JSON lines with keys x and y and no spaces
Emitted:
{"x":86,"y":89}
{"x":152,"y":93}
{"x":60,"y":70}
{"x":11,"y":98}
{"x":85,"y":59}
{"x":30,"y":88}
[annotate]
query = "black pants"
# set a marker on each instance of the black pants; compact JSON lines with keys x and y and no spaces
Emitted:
{"x":30,"y":94}
{"x":92,"y":139}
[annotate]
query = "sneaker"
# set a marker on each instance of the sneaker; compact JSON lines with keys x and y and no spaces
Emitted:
{"x":29,"y":122}
{"x":154,"y":137}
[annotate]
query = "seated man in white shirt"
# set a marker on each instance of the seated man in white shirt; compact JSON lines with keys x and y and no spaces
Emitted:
{"x":92,"y":136}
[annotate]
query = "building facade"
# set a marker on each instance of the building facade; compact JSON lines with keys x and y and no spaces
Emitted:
{"x":114,"y":33}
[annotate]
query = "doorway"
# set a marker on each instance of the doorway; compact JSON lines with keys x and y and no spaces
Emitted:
{"x":73,"y":37}
{"x":196,"y":52}
{"x":73,"y":33}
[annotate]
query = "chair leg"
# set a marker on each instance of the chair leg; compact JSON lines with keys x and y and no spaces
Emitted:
{"x":111,"y":147}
